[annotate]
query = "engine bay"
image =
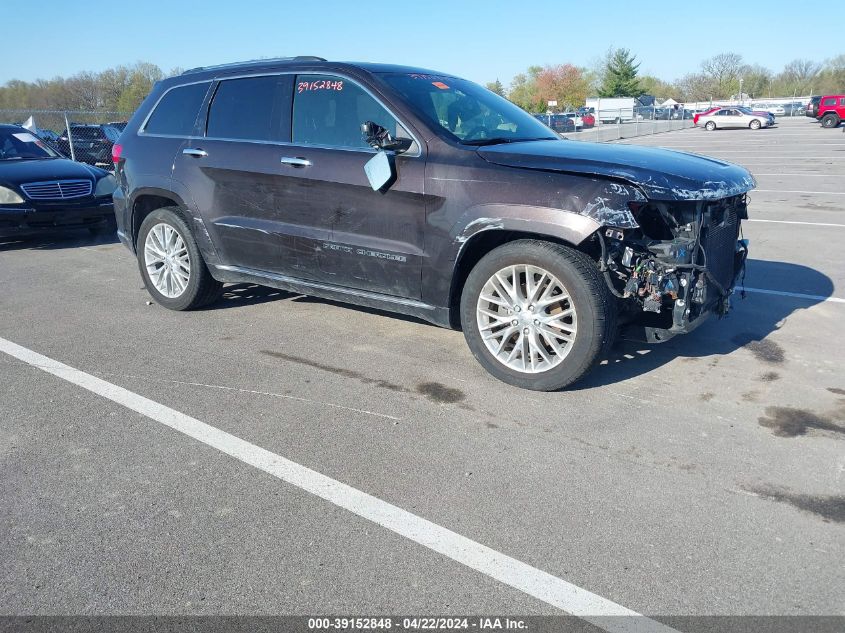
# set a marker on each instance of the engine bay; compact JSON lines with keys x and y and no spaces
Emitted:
{"x":679,"y":264}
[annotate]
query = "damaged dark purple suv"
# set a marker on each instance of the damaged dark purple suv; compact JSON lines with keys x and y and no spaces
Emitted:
{"x":422,"y":193}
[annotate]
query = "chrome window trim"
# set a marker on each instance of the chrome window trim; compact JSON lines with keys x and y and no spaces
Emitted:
{"x":218,"y":81}
{"x":143,"y":127}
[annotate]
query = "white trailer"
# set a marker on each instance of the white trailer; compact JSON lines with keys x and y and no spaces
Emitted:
{"x":613,"y":109}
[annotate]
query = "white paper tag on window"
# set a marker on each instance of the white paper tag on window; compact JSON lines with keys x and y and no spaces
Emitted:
{"x":379,"y":170}
{"x":26,"y":137}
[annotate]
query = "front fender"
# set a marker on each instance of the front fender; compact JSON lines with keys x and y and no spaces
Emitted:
{"x":568,"y":226}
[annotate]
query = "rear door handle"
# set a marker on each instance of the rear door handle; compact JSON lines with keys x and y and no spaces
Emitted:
{"x":194,"y":151}
{"x":296,"y":161}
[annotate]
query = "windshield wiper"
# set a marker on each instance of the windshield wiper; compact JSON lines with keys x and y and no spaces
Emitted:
{"x":505,"y":139}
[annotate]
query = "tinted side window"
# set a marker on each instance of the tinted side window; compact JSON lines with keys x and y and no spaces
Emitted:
{"x":829,"y":101}
{"x":254,"y":109}
{"x":329,"y":110}
{"x":177,"y":112}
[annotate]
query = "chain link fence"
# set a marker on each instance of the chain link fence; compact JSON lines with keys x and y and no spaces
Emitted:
{"x":84,"y":136}
{"x":623,"y":123}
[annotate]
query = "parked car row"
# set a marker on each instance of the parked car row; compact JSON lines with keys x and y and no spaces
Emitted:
{"x":563,"y":122}
{"x":658,"y":113}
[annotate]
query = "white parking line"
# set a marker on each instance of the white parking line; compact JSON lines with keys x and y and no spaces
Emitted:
{"x":796,"y":295}
{"x":817,"y":193}
{"x":510,"y":571}
{"x":805,"y":175}
{"x":795,"y":222}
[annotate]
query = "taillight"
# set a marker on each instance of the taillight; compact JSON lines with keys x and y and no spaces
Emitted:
{"x":116,"y":151}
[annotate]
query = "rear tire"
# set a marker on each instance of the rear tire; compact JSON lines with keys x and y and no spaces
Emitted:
{"x":710,"y":126}
{"x":562,"y":330}
{"x":171,"y":264}
{"x":830,"y":120}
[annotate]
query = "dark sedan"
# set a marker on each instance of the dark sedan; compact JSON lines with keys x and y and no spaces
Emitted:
{"x":41,"y":190}
{"x":558,"y":122}
{"x":92,"y":144}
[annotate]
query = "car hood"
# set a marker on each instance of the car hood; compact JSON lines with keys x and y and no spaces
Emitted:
{"x":16,"y":172}
{"x":661,"y":174}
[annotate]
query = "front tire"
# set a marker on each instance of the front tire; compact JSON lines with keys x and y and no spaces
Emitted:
{"x":171,"y":264}
{"x":754,"y":125}
{"x":537,"y":315}
{"x":710,"y":126}
{"x":830,"y":120}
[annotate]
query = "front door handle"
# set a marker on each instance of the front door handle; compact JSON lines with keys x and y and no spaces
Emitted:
{"x":296,"y":161}
{"x":194,"y":151}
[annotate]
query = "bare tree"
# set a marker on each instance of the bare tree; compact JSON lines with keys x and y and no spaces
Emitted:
{"x":755,"y":79}
{"x":798,"y":75}
{"x":722,"y":71}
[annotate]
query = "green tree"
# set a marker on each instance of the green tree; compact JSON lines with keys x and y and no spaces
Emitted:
{"x":141,"y":79}
{"x":495,"y":86}
{"x":523,"y":90}
{"x":656,"y":87}
{"x":620,"y":75}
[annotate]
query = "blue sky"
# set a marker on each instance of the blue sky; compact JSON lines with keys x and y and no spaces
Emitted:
{"x":477,"y":40}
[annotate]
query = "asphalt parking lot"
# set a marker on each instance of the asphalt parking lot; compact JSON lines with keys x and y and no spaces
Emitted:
{"x":702,"y":476}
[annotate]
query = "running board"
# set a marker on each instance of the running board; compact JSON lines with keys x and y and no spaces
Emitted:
{"x":412,"y":307}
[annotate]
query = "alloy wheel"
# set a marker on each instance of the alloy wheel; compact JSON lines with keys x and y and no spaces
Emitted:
{"x":526,"y":318}
{"x":167,"y":260}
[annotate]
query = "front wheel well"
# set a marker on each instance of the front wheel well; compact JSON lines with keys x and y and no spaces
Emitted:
{"x":482,"y":243}
{"x":143,"y":206}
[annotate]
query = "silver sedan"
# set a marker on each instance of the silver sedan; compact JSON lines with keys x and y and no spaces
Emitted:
{"x":733,"y":118}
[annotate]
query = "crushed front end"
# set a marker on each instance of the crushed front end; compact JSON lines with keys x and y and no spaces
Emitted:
{"x":678,"y":266}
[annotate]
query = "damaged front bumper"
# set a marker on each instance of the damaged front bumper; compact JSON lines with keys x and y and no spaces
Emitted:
{"x":682,"y":323}
{"x":677,"y":269}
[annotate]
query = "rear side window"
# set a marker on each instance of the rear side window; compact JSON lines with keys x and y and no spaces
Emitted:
{"x":253,"y":109}
{"x":829,"y":101}
{"x":177,"y":111}
{"x":329,"y":110}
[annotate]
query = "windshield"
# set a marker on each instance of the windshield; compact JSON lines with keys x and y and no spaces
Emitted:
{"x":20,"y":144}
{"x":466,"y":112}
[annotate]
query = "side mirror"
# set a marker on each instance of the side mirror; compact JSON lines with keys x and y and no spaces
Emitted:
{"x":379,"y":138}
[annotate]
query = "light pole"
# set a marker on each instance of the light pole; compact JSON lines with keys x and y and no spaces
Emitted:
{"x":740,"y":92}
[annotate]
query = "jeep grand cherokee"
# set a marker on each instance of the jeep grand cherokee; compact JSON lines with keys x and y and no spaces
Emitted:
{"x":422,"y":193}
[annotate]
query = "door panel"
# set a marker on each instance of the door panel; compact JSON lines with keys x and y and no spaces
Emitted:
{"x":361,"y":238}
{"x":249,"y":206}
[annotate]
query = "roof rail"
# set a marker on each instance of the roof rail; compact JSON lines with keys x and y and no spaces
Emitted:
{"x":256,"y":62}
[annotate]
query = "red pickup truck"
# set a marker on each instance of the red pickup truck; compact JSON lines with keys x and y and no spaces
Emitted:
{"x":831,"y":110}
